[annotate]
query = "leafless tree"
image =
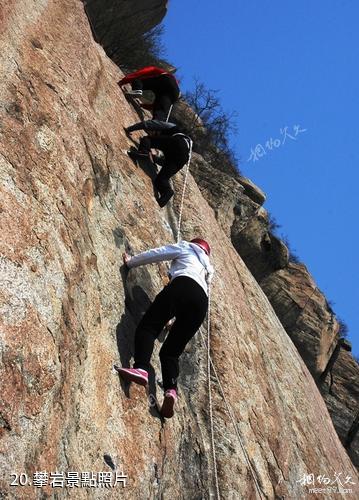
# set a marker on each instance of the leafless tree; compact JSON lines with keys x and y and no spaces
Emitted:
{"x":211,"y":126}
{"x":139,"y":50}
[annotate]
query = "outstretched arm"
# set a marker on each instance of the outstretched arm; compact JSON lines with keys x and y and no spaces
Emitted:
{"x":167,"y":252}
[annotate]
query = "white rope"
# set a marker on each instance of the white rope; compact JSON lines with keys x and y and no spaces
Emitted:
{"x":211,"y":364}
{"x":209,"y":361}
{"x":183,"y":193}
{"x":169,"y":113}
{"x":229,"y":410}
{"x":218,"y":496}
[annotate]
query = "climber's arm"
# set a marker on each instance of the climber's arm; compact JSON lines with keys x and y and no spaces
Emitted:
{"x":167,"y":252}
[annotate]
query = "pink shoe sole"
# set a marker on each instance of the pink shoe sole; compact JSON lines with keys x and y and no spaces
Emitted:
{"x":168,"y":405}
{"x":132,"y":375}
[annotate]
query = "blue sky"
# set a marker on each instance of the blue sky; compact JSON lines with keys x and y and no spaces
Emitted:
{"x":288,"y":64}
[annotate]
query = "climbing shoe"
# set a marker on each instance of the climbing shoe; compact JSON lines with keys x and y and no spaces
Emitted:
{"x":136,"y":375}
{"x":165,"y":198}
{"x":127,"y":131}
{"x":168,"y":403}
{"x":169,"y":324}
{"x":134,"y":92}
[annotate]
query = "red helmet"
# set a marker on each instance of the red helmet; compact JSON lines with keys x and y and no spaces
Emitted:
{"x":203,"y":244}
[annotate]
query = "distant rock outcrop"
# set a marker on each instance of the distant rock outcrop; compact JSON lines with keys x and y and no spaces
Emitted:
{"x":71,"y":202}
{"x":118,"y":23}
{"x":340,"y":388}
{"x":304,"y":313}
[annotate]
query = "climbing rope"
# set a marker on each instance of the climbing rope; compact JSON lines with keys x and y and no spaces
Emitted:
{"x":231,"y":415}
{"x":213,"y":449}
{"x":210,"y":363}
{"x":228,"y":407}
{"x":169,"y":113}
{"x":179,"y":222}
{"x":181,"y":205}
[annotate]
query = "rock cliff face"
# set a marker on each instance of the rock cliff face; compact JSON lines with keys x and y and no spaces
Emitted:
{"x":304,"y":314}
{"x":71,"y":203}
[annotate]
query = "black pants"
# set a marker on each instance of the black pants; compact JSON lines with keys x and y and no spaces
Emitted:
{"x":176,"y":154}
{"x":166,"y":93}
{"x":185,"y":299}
{"x":162,"y":180}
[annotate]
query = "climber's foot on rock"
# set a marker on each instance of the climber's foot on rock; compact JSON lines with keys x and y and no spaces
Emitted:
{"x":169,"y":324}
{"x":127,"y":130}
{"x":136,"y":375}
{"x":165,"y":198}
{"x":167,"y":410}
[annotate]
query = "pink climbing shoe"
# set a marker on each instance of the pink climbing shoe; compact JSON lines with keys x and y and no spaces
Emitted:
{"x":168,"y":403}
{"x":136,"y":375}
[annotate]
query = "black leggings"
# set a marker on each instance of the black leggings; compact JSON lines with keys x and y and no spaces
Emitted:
{"x":166,"y":93}
{"x":176,"y":153}
{"x":185,"y":299}
{"x":162,"y":180}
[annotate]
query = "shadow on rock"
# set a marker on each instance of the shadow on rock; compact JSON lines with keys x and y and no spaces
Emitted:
{"x":149,"y":168}
{"x":154,"y":408}
{"x":137,"y":301}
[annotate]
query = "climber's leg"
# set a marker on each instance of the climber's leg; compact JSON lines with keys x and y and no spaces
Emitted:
{"x":190,"y":311}
{"x":135,"y":127}
{"x":143,"y":151}
{"x":151,"y":126}
{"x":151,"y":325}
{"x":162,"y":183}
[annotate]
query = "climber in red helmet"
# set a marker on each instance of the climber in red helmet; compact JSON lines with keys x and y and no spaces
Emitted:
{"x":185,"y":298}
{"x":161,"y":82}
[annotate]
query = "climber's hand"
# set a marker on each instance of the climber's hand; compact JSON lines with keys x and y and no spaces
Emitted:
{"x":126,"y":258}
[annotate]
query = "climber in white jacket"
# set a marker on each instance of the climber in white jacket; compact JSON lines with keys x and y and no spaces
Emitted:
{"x":185,"y":298}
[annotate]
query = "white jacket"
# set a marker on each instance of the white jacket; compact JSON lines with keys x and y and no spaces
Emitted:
{"x":188,"y":259}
